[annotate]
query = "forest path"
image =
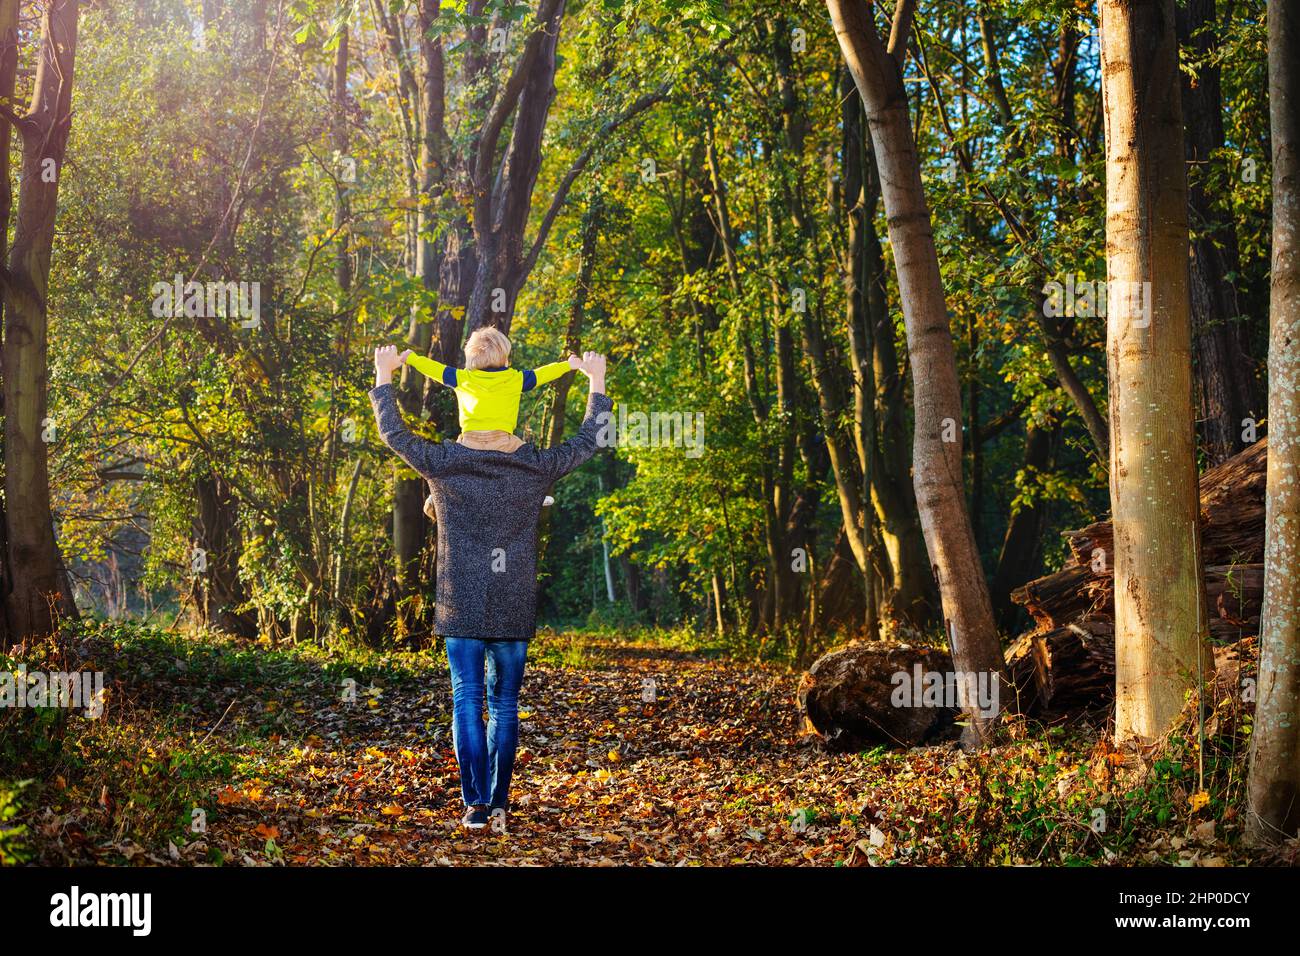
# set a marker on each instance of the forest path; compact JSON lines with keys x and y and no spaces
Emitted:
{"x":630,"y":752}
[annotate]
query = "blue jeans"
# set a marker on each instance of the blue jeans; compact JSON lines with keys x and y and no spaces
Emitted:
{"x":486,"y":761}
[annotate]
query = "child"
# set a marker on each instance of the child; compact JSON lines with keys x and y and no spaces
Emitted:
{"x":488,"y":392}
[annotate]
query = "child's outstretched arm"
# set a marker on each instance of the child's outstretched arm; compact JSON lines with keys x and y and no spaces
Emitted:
{"x":433,"y":369}
{"x":534,"y":377}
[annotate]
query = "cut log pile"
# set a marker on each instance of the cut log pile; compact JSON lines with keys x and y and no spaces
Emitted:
{"x":1066,"y":665}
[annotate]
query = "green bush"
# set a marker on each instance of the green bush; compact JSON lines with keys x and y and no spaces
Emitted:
{"x":12,"y":844}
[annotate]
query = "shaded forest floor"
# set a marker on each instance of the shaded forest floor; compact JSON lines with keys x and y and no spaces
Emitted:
{"x":216,"y":752}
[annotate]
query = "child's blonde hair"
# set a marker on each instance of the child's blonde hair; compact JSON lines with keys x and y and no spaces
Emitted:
{"x":487,"y":348}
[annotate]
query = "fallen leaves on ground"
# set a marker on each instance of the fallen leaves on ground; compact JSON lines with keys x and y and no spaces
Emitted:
{"x":712,"y":771}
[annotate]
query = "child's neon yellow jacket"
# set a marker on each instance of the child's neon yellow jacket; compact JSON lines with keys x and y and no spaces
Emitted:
{"x":488,"y":398}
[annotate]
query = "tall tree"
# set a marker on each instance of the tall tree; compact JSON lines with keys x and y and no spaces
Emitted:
{"x":877,"y":71}
{"x":344,"y":177}
{"x":1274,"y":783}
{"x":39,"y":592}
{"x":1222,"y":371}
{"x":1160,"y":620}
{"x":905,"y":581}
{"x":8,"y":79}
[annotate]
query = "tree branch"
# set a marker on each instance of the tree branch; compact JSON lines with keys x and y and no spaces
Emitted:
{"x":562,"y":193}
{"x":997,"y":425}
{"x":505,"y":103}
{"x":901,"y":30}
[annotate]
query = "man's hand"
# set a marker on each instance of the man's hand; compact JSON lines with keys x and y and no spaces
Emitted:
{"x":387,"y":361}
{"x":592,"y":365}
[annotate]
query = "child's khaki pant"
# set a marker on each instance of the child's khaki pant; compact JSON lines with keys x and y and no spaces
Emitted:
{"x":491,"y":440}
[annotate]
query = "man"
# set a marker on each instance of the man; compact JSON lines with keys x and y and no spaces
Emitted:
{"x":487,"y":505}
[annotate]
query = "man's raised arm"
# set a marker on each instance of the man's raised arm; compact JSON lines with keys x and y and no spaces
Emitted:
{"x":596,"y":424}
{"x":424,"y":456}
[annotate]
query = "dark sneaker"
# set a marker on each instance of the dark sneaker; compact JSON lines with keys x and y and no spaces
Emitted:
{"x":476,"y":818}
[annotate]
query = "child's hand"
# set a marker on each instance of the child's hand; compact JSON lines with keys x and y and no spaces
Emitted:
{"x":575,"y":362}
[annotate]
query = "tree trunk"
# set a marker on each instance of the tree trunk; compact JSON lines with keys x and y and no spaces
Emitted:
{"x":217,"y":593}
{"x":882,"y":500}
{"x":797,"y":497}
{"x":912,"y":598}
{"x":340,"y":583}
{"x":840,"y":598}
{"x":39,"y":594}
{"x":1160,"y":619}
{"x":937,"y":464}
{"x":437,"y":265}
{"x":719,"y":603}
{"x":1274,"y":783}
{"x":754,"y":393}
{"x":8,"y":77}
{"x":850,"y":455}
{"x":636,"y":597}
{"x":1223,"y":372}
{"x":503,"y":193}
{"x":1022,"y":543}
{"x":345,"y":175}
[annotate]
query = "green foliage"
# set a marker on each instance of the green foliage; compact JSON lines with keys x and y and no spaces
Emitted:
{"x":220,"y":162}
{"x":12,"y":846}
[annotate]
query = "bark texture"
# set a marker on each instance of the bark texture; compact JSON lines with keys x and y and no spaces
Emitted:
{"x":937,"y":464}
{"x":1160,"y":620}
{"x":39,"y":594}
{"x":1274,"y":783}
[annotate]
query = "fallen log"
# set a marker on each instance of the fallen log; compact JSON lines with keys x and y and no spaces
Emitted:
{"x":1066,"y":664}
{"x":1068,"y":670}
{"x":1057,"y":599}
{"x":1231,"y":508}
{"x":848,"y":696}
{"x":1232,"y":536}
